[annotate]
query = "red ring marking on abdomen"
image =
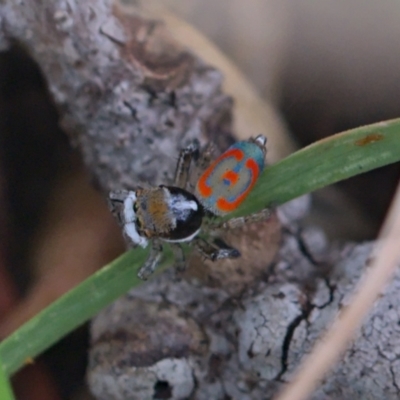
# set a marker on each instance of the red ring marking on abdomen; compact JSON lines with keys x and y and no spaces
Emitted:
{"x":204,"y":189}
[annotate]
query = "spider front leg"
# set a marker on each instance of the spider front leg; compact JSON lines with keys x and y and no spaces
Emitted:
{"x":116,"y":200}
{"x":152,"y":261}
{"x":234,"y":223}
{"x":218,"y":252}
{"x":184,"y":177}
{"x":202,"y":163}
{"x":186,"y":155}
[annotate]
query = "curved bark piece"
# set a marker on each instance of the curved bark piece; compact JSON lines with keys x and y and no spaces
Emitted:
{"x":128,"y":93}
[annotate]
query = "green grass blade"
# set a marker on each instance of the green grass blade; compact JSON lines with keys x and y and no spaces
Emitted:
{"x":321,"y":164}
{"x":5,"y":387}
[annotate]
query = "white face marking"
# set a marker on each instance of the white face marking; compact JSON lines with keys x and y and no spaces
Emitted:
{"x":131,"y":232}
{"x":129,"y":221}
{"x":129,"y":213}
{"x":187,"y":239}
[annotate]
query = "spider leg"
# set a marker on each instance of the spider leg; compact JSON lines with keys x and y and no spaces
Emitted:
{"x":116,"y":200}
{"x":214,"y":252}
{"x":183,"y":165}
{"x":180,"y":260}
{"x":202,"y":163}
{"x":234,"y":223}
{"x":207,"y":154}
{"x":152,"y":261}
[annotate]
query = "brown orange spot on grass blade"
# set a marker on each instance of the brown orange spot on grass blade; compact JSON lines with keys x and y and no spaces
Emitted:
{"x":370,"y":138}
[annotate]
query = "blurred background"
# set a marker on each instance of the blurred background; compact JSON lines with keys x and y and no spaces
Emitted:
{"x":323,"y":67}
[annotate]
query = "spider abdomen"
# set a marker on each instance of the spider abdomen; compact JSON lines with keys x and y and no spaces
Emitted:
{"x":230,"y":178}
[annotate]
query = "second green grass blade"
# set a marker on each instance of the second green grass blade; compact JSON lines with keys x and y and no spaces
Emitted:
{"x":321,"y":164}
